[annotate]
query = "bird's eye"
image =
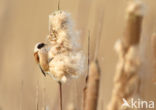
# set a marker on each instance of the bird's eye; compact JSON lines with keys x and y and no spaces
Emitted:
{"x":40,"y":45}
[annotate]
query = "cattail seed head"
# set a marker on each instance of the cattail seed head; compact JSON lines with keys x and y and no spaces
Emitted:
{"x":92,"y":87}
{"x":127,"y":80}
{"x":67,"y":58}
{"x":132,"y":31}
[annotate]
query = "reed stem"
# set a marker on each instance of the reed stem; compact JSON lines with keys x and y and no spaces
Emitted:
{"x":60,"y":90}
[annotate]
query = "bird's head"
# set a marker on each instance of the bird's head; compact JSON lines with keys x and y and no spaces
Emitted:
{"x":37,"y":48}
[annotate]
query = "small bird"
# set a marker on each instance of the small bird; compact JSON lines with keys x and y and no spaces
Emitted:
{"x":41,"y":57}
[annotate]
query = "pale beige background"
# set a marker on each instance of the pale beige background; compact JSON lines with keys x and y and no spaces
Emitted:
{"x":25,"y":22}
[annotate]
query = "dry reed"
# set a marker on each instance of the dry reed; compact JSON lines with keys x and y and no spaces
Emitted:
{"x":126,"y":80}
{"x":67,"y":60}
{"x":92,"y":87}
{"x":37,"y":96}
{"x":86,"y":79}
{"x":153,"y":41}
{"x":21,"y":95}
{"x":60,"y":90}
{"x":90,"y":81}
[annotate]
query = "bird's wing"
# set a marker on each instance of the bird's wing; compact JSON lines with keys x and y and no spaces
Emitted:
{"x":42,"y":70}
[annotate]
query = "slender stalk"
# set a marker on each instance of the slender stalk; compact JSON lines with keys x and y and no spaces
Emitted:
{"x":58,"y":6}
{"x":60,"y":90}
{"x":37,"y":94}
{"x":21,"y":95}
{"x":84,"y":90}
{"x":44,"y":96}
{"x":153,"y":41}
{"x":88,"y":51}
{"x":98,"y":32}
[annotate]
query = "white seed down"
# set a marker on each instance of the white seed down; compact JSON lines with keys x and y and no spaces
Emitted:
{"x":67,"y":57}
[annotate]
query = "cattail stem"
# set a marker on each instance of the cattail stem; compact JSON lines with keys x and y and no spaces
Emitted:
{"x":37,"y":96}
{"x":88,"y":51}
{"x":84,"y":90}
{"x":21,"y":95}
{"x":60,"y":90}
{"x":153,"y":41}
{"x":58,"y":6}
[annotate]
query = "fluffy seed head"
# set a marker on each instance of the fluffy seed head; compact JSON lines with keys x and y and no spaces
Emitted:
{"x":68,"y":59}
{"x":133,"y":25}
{"x":136,"y":7}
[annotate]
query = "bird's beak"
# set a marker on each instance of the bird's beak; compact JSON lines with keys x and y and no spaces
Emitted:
{"x":42,"y":70}
{"x":36,"y":57}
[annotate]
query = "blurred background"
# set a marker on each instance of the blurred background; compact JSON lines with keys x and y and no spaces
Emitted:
{"x":23,"y":23}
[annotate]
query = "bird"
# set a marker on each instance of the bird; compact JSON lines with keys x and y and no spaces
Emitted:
{"x":41,"y":57}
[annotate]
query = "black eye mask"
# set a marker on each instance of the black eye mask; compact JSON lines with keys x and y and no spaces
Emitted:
{"x":40,"y":45}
